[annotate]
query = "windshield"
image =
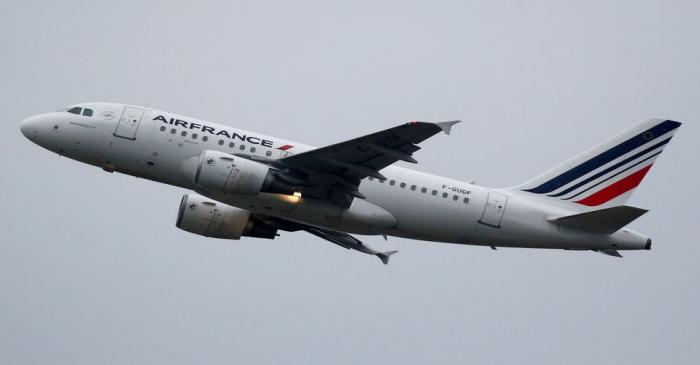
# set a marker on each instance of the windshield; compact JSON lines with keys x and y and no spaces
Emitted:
{"x":87,"y":112}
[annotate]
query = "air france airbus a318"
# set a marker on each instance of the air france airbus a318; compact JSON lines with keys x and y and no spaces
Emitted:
{"x":251,"y":185}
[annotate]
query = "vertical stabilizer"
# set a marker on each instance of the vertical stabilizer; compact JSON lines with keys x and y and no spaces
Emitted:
{"x":606,"y":175}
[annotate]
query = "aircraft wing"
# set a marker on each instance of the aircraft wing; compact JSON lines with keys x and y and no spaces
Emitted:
{"x":366,"y":156}
{"x":341,"y":239}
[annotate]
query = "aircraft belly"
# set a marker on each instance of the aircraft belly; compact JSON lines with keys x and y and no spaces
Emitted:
{"x":427,"y":217}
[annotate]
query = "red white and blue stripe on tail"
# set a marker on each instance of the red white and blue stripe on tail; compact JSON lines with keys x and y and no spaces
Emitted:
{"x":609,"y":173}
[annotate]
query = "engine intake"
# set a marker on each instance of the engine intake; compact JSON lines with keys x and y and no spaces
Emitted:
{"x":204,"y":217}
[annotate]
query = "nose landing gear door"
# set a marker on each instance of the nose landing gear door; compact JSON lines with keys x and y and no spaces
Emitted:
{"x":129,"y":122}
{"x":494,"y":209}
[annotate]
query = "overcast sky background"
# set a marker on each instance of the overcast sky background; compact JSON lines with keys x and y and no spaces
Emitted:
{"x":94,"y":271}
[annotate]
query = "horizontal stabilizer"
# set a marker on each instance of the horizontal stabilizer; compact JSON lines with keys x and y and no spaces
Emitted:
{"x":608,"y":220}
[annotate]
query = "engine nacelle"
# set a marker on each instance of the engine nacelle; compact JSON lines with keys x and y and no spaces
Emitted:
{"x":222,"y":172}
{"x":208,"y":218}
{"x":226,"y":173}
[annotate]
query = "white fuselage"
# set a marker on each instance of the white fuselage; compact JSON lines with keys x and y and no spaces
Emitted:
{"x":423,"y":206}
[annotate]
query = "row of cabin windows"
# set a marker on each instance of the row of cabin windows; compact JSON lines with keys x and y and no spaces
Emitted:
{"x":423,"y":190}
{"x":80,"y":111}
{"x":206,"y":138}
{"x":269,"y":153}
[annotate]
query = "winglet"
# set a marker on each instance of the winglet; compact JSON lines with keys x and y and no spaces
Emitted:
{"x":447,"y":126}
{"x":384,"y":256}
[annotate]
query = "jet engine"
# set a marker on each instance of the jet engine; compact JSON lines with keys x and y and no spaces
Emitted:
{"x":208,"y":218}
{"x":222,"y":172}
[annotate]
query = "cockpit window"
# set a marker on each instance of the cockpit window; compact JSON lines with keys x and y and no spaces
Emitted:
{"x":87,"y":112}
{"x":75,"y":110}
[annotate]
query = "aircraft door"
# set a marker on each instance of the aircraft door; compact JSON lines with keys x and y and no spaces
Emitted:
{"x":129,"y":122}
{"x":494,"y":209}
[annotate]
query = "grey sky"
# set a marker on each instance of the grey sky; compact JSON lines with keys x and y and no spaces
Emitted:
{"x":93,"y":270}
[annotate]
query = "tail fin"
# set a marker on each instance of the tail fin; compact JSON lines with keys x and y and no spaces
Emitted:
{"x":606,"y":175}
{"x":384,"y":256}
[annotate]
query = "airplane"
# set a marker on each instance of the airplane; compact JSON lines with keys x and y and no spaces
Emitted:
{"x":247,"y":184}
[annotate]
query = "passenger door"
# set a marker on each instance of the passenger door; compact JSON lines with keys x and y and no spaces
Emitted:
{"x":494,"y":209}
{"x":129,"y":122}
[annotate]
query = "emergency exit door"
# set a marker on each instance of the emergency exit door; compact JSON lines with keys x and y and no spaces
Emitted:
{"x":494,"y":209}
{"x":129,"y":122}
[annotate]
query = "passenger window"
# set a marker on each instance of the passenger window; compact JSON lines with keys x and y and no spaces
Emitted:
{"x":231,"y":144}
{"x":392,"y":182}
{"x":370,"y":178}
{"x":162,"y":128}
{"x":252,"y":150}
{"x":434,"y":192}
{"x":221,"y":142}
{"x":465,"y":200}
{"x":413,"y":187}
{"x":444,"y":195}
{"x":184,"y":134}
{"x":172,"y":131}
{"x":242,"y":147}
{"x":455,"y":197}
{"x":87,"y":112}
{"x":423,"y":190}
{"x":205,"y":138}
{"x":75,"y":110}
{"x":194,"y":135}
{"x":268,"y":153}
{"x":403,"y":185}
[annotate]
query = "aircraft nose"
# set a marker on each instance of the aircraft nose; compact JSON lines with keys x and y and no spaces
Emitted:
{"x":30,"y":127}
